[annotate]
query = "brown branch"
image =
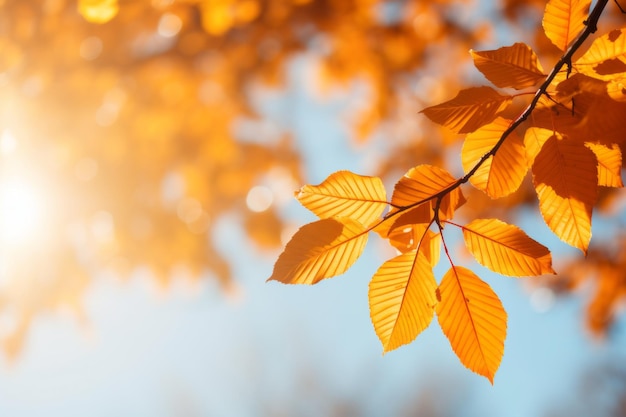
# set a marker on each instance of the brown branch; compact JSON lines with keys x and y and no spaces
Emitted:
{"x":591,"y":26}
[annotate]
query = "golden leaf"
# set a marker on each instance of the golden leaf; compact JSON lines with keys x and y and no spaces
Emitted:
{"x":469,"y":110}
{"x":565,"y":176}
{"x":606,"y":57}
{"x":320,"y":250}
{"x":502,"y":173}
{"x":506,"y":249}
{"x":563,"y":20}
{"x":473,"y":319}
{"x":422,"y":184}
{"x":534,"y":138}
{"x":98,"y":11}
{"x":416,"y":236}
{"x":402,"y":299}
{"x":609,"y":164}
{"x":345,"y":194}
{"x":513,"y":66}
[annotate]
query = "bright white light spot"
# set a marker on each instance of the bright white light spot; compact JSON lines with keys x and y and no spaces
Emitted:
{"x":259,"y":198}
{"x":21,"y":212}
{"x":169,"y":25}
{"x":542,"y":299}
{"x":86,"y":169}
{"x":8,"y":143}
{"x":90,"y":48}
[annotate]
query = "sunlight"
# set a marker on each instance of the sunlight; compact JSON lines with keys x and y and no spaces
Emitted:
{"x":21,"y":212}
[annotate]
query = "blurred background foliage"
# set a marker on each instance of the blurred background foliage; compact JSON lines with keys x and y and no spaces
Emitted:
{"x":130,"y":128}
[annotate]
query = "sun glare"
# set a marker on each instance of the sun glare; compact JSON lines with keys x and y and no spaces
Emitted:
{"x":21,"y":211}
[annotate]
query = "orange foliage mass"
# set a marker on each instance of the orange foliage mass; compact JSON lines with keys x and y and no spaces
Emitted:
{"x":124,"y":114}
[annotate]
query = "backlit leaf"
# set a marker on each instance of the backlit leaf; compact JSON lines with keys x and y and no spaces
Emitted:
{"x":502,"y":174}
{"x":506,"y":249}
{"x":513,"y":66}
{"x":345,"y":194}
{"x":422,"y":184}
{"x":566,"y":180}
{"x":534,"y":138}
{"x":319,"y":250}
{"x":413,"y":236}
{"x":402,"y":299}
{"x":563,"y":20}
{"x":469,"y":110}
{"x":98,"y":11}
{"x":473,"y":319}
{"x":606,"y":56}
{"x":609,"y":164}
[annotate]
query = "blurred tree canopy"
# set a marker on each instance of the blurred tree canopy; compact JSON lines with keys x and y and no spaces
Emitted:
{"x":119,"y":144}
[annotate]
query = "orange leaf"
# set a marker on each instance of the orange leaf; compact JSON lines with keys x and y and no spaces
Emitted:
{"x":609,"y":164}
{"x":514,"y":66}
{"x":422,"y":184}
{"x":506,"y":249}
{"x":534,"y":138}
{"x":345,"y":194}
{"x":501,"y":174}
{"x":319,"y":250}
{"x":402,"y":299}
{"x":566,"y":180}
{"x":469,"y":110}
{"x":563,"y":20}
{"x":416,"y":236}
{"x":98,"y":11}
{"x":473,"y":319}
{"x":606,"y":57}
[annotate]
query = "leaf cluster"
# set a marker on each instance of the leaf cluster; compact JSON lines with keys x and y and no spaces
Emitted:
{"x":569,"y":139}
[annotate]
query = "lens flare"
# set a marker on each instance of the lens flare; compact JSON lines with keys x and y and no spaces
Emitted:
{"x":21,"y":212}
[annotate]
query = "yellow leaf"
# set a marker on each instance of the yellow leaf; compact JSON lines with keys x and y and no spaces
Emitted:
{"x":402,"y":299}
{"x":609,"y":164}
{"x":469,"y":110}
{"x":416,"y":236}
{"x":320,"y":250}
{"x":606,"y":57}
{"x":345,"y":194}
{"x":616,"y":88}
{"x":566,"y":180}
{"x":563,"y":20}
{"x":506,"y":249}
{"x":98,"y":11}
{"x":501,"y":174}
{"x":473,"y":319}
{"x":513,"y":66}
{"x":534,"y":138}
{"x":422,"y":184}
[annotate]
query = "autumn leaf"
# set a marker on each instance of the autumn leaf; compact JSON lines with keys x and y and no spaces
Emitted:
{"x":415,"y":236}
{"x":609,"y":164}
{"x":563,"y":20}
{"x":469,"y":110}
{"x":402,"y":299}
{"x":565,"y":176}
{"x":345,"y":194}
{"x":513,"y":66}
{"x":98,"y":11}
{"x":506,"y":249}
{"x":422,"y":184}
{"x":502,"y":173}
{"x":473,"y":319}
{"x":319,"y":250}
{"x":606,"y":57}
{"x":534,"y":138}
